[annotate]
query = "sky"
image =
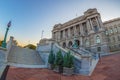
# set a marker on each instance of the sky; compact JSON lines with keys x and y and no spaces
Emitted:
{"x":30,"y":17}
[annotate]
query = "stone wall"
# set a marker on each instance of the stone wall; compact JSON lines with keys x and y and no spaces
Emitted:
{"x":113,"y":34}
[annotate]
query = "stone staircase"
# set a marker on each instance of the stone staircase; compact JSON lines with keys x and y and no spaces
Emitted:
{"x":23,"y":56}
{"x":84,"y":60}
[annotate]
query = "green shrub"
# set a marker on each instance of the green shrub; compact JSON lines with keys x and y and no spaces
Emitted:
{"x":30,"y":46}
{"x":59,"y":58}
{"x":68,"y":60}
{"x":59,"y":61}
{"x":51,"y":58}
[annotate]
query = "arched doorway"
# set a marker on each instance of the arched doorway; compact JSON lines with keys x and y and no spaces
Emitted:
{"x":78,"y":43}
{"x":64,"y":45}
{"x":70,"y":44}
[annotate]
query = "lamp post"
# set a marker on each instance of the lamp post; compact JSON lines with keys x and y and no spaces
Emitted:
{"x":4,"y":41}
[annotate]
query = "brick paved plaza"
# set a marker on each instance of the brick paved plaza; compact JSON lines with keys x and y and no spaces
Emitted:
{"x":107,"y":69}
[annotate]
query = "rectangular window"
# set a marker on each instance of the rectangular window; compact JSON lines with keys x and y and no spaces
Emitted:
{"x":98,"y":49}
{"x":106,"y":32}
{"x":116,"y":29}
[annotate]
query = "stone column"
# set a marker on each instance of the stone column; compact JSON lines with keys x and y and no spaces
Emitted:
{"x":88,"y":26}
{"x":72,"y":31}
{"x":97,"y":22}
{"x":74,"y":28}
{"x":69,"y":35}
{"x":61,"y":34}
{"x":91,"y":24}
{"x":58,"y":35}
{"x":64,"y":34}
{"x":100,"y":21}
{"x":81,"y":42}
{"x":92,"y":31}
{"x":81,"y":29}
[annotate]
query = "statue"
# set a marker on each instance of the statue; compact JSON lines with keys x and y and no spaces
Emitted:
{"x":75,"y":45}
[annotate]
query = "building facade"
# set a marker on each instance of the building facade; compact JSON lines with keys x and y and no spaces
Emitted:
{"x":89,"y":32}
{"x":112,"y":31}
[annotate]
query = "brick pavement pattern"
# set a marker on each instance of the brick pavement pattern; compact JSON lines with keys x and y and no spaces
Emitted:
{"x":108,"y":68}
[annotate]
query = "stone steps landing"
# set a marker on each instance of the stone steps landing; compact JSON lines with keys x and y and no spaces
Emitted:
{"x":20,"y":55}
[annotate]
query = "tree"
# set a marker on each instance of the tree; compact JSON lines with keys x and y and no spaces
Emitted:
{"x":30,"y":46}
{"x":51,"y":59}
{"x":59,"y":61}
{"x":65,"y":62}
{"x":68,"y":60}
{"x":1,"y":43}
{"x":59,"y":58}
{"x":68,"y":64}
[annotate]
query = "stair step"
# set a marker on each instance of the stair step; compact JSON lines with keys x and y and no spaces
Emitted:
{"x":24,"y":56}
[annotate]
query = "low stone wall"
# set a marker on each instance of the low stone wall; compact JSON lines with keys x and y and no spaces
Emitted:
{"x":2,"y":60}
{"x":44,"y":57}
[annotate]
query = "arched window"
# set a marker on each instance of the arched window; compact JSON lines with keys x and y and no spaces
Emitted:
{"x":78,"y":42}
{"x":70,"y":44}
{"x":64,"y":45}
{"x":98,"y":39}
{"x":111,"y":31}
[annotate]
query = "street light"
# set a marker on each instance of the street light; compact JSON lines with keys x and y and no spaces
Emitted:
{"x":4,"y":41}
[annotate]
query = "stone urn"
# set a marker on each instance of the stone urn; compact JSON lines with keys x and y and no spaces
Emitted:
{"x":68,"y":71}
{"x":56,"y":69}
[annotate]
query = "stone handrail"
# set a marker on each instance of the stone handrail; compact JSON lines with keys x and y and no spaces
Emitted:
{"x":74,"y":53}
{"x":87,"y":52}
{"x":61,"y":48}
{"x":73,"y":50}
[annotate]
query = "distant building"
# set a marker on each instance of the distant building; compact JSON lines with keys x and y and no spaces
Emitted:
{"x":90,"y":33}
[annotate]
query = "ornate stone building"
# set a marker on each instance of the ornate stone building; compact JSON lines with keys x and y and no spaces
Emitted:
{"x":89,"y":32}
{"x":112,"y":31}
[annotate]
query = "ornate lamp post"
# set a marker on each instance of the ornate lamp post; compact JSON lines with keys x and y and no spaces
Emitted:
{"x":4,"y":41}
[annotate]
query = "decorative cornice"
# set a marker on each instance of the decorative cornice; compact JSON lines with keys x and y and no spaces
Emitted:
{"x":112,"y":20}
{"x":87,"y":13}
